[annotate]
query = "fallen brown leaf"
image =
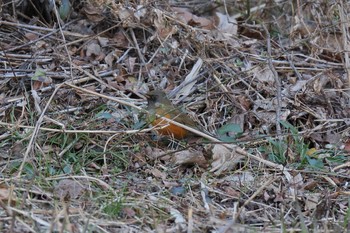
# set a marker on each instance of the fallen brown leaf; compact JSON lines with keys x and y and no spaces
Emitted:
{"x":68,"y":188}
{"x":224,"y":159}
{"x":190,"y":157}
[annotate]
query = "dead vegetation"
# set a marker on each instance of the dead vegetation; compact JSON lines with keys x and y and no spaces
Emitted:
{"x":266,"y":81}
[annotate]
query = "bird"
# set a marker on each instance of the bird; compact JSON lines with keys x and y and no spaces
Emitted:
{"x":159,"y":104}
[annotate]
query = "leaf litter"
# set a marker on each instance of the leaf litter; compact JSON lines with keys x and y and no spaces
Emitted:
{"x":269,"y":86}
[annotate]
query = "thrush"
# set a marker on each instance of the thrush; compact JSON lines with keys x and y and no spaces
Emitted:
{"x":159,"y":104}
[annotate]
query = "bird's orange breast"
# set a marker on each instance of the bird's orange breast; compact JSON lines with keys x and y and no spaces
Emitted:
{"x":166,"y":128}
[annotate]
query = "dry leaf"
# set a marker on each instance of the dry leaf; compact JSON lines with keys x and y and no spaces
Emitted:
{"x":296,"y":184}
{"x":129,"y":212}
{"x":158,"y":174}
{"x":190,"y":157}
{"x":141,"y":11}
{"x":300,"y":85}
{"x":68,"y":188}
{"x":201,"y":22}
{"x":94,"y":14}
{"x":263,"y":74}
{"x":310,"y":184}
{"x":164,"y":29}
{"x":130,"y":64}
{"x":320,"y":83}
{"x":103,"y":41}
{"x":93,"y":49}
{"x":120,"y":40}
{"x":183,"y":14}
{"x":311,"y":202}
{"x":347,"y":146}
{"x":37,"y":101}
{"x":6,"y":195}
{"x":170,"y":184}
{"x":155,"y":153}
{"x":180,"y":221}
{"x":125,"y":15}
{"x":270,"y":116}
{"x":82,"y":26}
{"x":226,"y":25}
{"x":244,"y":178}
{"x":109,"y":59}
{"x":224,"y":159}
{"x":244,"y":102}
{"x":17,"y":149}
{"x":31,"y":36}
{"x":232,"y":192}
{"x":190,"y":80}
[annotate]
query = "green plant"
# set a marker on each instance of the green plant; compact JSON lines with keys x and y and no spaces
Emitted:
{"x":347,"y":217}
{"x":114,"y":208}
{"x":229,"y":132}
{"x":291,"y":149}
{"x":28,"y":169}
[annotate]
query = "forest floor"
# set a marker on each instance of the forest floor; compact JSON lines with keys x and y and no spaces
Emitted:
{"x":266,"y":83}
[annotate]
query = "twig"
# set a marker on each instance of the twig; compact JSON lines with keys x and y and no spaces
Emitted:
{"x":77,"y":131}
{"x":222,"y":86}
{"x":64,"y":38}
{"x":278,"y":84}
{"x":257,"y":192}
{"x":31,"y":42}
{"x":36,"y":130}
{"x":190,"y":220}
{"x":19,"y":25}
{"x":345,"y":34}
{"x":142,"y":58}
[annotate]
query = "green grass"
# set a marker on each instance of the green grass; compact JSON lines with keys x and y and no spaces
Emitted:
{"x":293,"y":149}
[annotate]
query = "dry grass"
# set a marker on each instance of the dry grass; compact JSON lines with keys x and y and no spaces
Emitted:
{"x":271,"y":93}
